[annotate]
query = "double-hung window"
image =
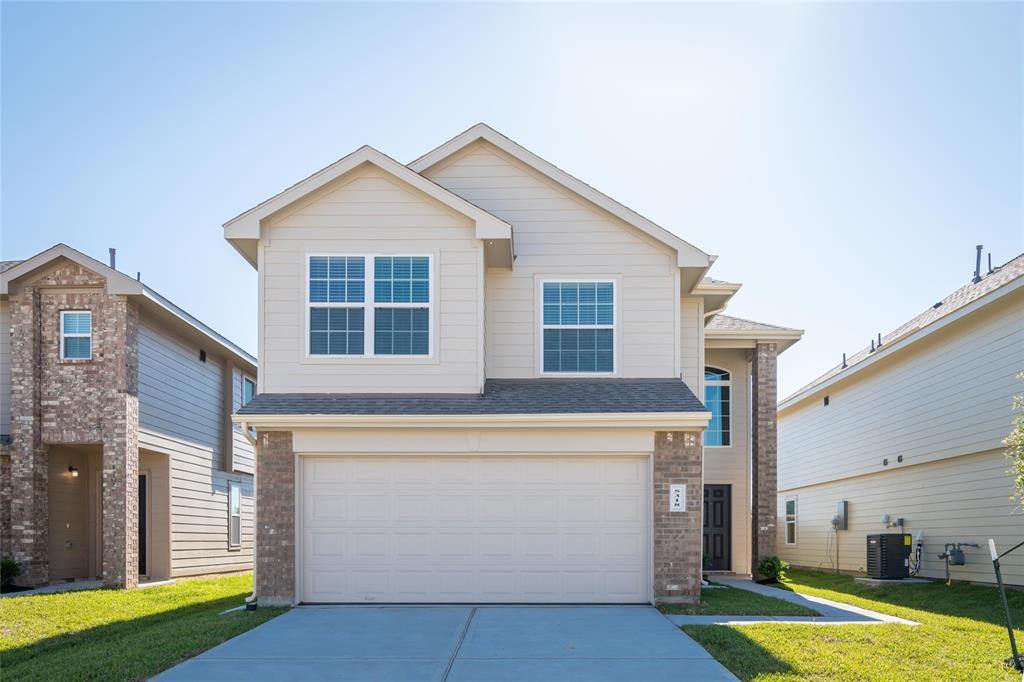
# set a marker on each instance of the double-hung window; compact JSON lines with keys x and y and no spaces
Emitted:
{"x":578,"y":327}
{"x":75,"y":335}
{"x":718,"y":400}
{"x":369,"y":306}
{"x":234,"y":515}
{"x":791,"y":521}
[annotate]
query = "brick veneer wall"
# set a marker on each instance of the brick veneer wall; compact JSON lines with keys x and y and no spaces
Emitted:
{"x":764,"y":453}
{"x":275,"y":518}
{"x":56,"y":401}
{"x":678,"y":536}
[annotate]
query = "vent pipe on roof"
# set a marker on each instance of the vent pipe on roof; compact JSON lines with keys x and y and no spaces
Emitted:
{"x":990,"y":262}
{"x":113,"y":258}
{"x":879,"y":339}
{"x":138,"y":276}
{"x":872,"y":346}
{"x":977,"y":265}
{"x":844,"y":360}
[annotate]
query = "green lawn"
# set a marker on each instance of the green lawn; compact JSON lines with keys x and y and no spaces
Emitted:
{"x":120,"y":635}
{"x":961,"y":636}
{"x":730,"y":601}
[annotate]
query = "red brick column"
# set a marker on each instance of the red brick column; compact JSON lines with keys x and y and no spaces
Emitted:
{"x":764,"y":453}
{"x":678,"y":536}
{"x":275,"y":518}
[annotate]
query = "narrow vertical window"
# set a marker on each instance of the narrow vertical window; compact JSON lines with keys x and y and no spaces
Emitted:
{"x":578,"y":327}
{"x":248,"y":390}
{"x":791,"y":522}
{"x":337,"y":305}
{"x":718,"y":401}
{"x":234,"y":515}
{"x":76,"y":335}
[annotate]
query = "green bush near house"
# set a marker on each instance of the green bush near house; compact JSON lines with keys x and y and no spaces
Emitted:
{"x":120,"y":634}
{"x":772,"y":568}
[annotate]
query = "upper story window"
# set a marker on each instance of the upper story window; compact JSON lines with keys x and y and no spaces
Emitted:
{"x":380,"y":310}
{"x":75,"y":335}
{"x":248,"y":389}
{"x":578,"y":327}
{"x":717,"y":398}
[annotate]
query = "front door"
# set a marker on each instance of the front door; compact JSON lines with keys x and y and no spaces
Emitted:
{"x":142,"y":524}
{"x":717,"y":527}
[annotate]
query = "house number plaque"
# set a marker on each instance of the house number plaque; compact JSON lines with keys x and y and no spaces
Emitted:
{"x":677,"y":498}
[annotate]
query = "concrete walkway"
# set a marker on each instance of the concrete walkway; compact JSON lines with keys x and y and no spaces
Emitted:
{"x":832,"y":612}
{"x":458,"y":644}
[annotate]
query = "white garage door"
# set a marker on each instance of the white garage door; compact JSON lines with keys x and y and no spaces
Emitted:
{"x":539,"y":529}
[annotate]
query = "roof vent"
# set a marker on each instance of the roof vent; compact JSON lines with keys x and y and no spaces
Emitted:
{"x":937,"y":304}
{"x":844,"y":360}
{"x":977,"y":265}
{"x":113,"y":258}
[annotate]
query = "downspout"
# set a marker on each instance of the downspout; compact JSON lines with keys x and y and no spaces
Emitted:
{"x":250,"y":601}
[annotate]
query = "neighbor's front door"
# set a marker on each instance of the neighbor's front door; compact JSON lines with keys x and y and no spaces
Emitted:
{"x":142,"y":524}
{"x":717,"y":527}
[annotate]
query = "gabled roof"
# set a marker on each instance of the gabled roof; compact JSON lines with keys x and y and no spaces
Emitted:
{"x":966,"y":299}
{"x":244,"y":230}
{"x":727,"y":323}
{"x":729,"y":330}
{"x":688,"y":255}
{"x":119,"y":283}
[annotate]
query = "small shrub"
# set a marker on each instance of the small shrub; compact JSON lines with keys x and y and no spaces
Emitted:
{"x":772,"y":568}
{"x":9,"y":570}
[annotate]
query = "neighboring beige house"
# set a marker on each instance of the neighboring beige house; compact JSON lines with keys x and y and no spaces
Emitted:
{"x":912,"y":428}
{"x":119,"y":458}
{"x":480,"y":382}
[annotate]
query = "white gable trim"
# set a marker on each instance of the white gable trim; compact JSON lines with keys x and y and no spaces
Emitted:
{"x":688,"y":255}
{"x":247,"y":225}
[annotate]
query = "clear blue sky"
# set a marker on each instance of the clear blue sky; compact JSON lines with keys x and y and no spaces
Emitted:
{"x":841,"y":159}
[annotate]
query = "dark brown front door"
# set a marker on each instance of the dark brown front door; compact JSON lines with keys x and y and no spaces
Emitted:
{"x":717,"y":527}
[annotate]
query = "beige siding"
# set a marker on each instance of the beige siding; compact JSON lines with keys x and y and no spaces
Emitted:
{"x":959,"y":499}
{"x":199,"y":509}
{"x":243,"y":454}
{"x":559,"y":235}
{"x":370,"y":212}
{"x":691,"y":343}
{"x":731,"y":465}
{"x":5,"y":368}
{"x":948,"y":395}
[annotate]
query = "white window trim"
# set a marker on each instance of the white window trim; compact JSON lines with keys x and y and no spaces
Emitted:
{"x":76,"y":335}
{"x":614,"y":326}
{"x":251,"y":379}
{"x":786,"y":521}
{"x":728,"y":383}
{"x":232,"y":486}
{"x":369,"y":304}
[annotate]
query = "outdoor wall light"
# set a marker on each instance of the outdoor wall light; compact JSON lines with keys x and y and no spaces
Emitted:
{"x":73,"y":471}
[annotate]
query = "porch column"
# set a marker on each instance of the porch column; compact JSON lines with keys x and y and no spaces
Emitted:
{"x":764,"y":451}
{"x":275,"y":518}
{"x":678,"y":535}
{"x":29,"y":457}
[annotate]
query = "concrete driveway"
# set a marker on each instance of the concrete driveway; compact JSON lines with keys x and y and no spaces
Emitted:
{"x":458,"y":644}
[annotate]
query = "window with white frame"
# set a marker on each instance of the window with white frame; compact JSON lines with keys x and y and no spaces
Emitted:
{"x":75,"y":335}
{"x":234,"y":515}
{"x":248,"y":389}
{"x":378,"y":309}
{"x":718,"y":400}
{"x":791,"y":521}
{"x":578,"y":327}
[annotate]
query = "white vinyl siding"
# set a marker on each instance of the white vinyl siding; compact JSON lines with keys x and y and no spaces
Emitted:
{"x":691,"y":343}
{"x":947,"y":395}
{"x":370,"y":212}
{"x":561,"y":236}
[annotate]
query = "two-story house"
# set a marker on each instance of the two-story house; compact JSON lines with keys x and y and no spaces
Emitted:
{"x":482,"y":380}
{"x":119,"y":459}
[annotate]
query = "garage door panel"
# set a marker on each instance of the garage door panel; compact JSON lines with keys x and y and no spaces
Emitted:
{"x":474,"y":529}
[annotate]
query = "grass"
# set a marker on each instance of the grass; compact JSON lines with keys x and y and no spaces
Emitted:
{"x":730,"y":601}
{"x":120,"y":635}
{"x":961,"y":636}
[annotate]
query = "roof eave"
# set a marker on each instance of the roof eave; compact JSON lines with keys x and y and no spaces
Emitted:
{"x":655,"y":420}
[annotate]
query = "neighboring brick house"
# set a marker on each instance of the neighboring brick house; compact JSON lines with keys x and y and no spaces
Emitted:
{"x":479,"y":382}
{"x":119,"y":459}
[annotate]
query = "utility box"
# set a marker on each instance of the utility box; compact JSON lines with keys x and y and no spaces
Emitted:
{"x":839,"y":520}
{"x":889,"y":556}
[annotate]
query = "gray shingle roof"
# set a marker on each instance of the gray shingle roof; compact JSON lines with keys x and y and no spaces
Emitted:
{"x":501,"y":396}
{"x":1000,"y":276}
{"x":738,"y":324}
{"x":8,"y":264}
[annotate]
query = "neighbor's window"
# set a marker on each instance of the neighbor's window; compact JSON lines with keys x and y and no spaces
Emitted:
{"x":578,"y":327}
{"x":75,"y":335}
{"x":248,"y":389}
{"x":381,"y":310}
{"x":234,"y":515}
{"x":791,"y":522}
{"x":717,"y":398}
